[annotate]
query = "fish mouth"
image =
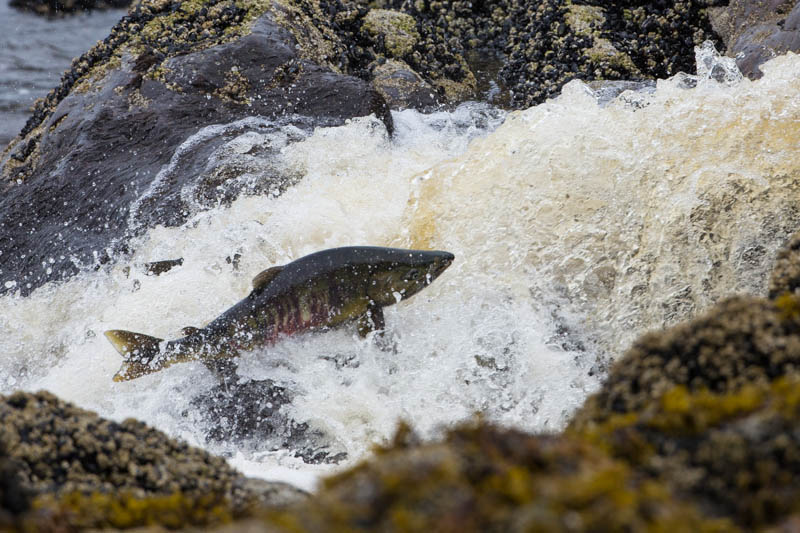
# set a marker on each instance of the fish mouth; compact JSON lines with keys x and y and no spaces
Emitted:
{"x":441,"y":263}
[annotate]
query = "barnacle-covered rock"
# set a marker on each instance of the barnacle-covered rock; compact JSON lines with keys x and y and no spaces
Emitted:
{"x":734,"y":453}
{"x":70,"y":463}
{"x":741,"y":341}
{"x":483,"y":478}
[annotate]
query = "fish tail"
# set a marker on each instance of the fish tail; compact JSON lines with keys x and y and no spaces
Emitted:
{"x":141,"y":354}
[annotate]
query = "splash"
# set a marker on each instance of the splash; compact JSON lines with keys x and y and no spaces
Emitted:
{"x":627,"y":217}
{"x":575,"y":226}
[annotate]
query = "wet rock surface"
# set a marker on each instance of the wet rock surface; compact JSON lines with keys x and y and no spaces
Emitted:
{"x":94,"y":164}
{"x":543,"y":45}
{"x":97,"y":144}
{"x":695,"y":429}
{"x":756,"y":31}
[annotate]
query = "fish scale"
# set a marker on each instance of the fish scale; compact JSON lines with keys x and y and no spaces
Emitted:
{"x":322,"y":290}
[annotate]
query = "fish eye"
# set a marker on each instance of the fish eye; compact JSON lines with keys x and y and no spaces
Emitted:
{"x":412,"y":274}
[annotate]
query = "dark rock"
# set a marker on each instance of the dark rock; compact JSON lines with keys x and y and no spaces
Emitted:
{"x":755,"y":31}
{"x":93,"y":164}
{"x":548,"y":43}
{"x":99,"y":473}
{"x":373,"y":36}
{"x":15,"y":496}
{"x":249,"y":415}
{"x":402,"y":87}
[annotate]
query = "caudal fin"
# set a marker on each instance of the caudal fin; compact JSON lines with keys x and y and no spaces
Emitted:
{"x":140,"y":353}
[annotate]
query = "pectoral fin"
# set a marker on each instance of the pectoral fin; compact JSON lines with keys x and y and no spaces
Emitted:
{"x":370,"y":321}
{"x":264,"y":278}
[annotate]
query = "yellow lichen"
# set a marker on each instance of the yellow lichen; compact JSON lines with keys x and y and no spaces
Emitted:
{"x":125,"y":510}
{"x":789,"y":307}
{"x":685,"y":412}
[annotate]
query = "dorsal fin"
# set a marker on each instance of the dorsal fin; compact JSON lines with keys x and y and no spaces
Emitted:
{"x":189,"y":330}
{"x":264,"y":278}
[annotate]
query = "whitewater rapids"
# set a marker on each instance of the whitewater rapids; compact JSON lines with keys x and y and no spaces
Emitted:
{"x":577,"y":225}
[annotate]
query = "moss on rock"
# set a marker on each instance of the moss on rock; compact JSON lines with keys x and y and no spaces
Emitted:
{"x":125,"y":510}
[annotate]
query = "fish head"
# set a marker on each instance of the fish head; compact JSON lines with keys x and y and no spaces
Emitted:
{"x":404,"y":276}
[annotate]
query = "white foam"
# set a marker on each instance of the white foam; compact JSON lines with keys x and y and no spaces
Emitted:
{"x":575,"y":227}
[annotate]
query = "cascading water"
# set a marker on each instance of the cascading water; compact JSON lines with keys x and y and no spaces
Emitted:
{"x":576,"y":226}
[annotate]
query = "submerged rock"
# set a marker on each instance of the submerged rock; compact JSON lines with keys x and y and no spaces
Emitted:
{"x":97,"y":473}
{"x":249,"y":415}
